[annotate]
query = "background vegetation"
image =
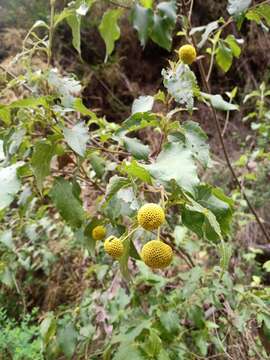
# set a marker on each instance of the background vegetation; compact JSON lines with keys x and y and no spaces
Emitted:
{"x":98,"y":117}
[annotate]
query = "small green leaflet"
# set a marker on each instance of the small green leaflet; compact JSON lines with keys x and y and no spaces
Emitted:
{"x":219,"y":103}
{"x":41,"y":160}
{"x":115,"y":184}
{"x":74,"y":21}
{"x":135,"y":170}
{"x":259,"y":13}
{"x":48,"y":328}
{"x":98,"y":163}
{"x":136,"y":148}
{"x":157,"y":25}
{"x":77,"y":137}
{"x":9,"y":184}
{"x":109,"y":29}
{"x":142,"y":20}
{"x":163,"y":25}
{"x":65,"y":197}
{"x":175,"y":162}
{"x":224,"y":56}
{"x":142,"y":104}
{"x":67,"y":339}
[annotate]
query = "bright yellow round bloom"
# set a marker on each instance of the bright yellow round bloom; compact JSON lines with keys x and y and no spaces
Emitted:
{"x":99,"y":232}
{"x":114,"y":247}
{"x":156,"y":254}
{"x":150,"y":216}
{"x":187,"y":54}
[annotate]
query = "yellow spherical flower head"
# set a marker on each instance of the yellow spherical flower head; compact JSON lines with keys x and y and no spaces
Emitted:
{"x":187,"y":54}
{"x":156,"y":254}
{"x":99,"y":232}
{"x":114,"y":247}
{"x":150,"y":216}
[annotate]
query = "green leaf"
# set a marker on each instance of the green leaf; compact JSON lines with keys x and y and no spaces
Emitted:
{"x":41,"y":160}
{"x":98,"y":163}
{"x":153,"y":344}
{"x":109,"y":29}
{"x":181,"y":84}
{"x":170,"y":321}
{"x":133,"y":251}
{"x":9,"y":184}
{"x":224,"y":56}
{"x":81,"y":108}
{"x":137,"y":122}
{"x":175,"y":162}
{"x":259,"y":13}
{"x":30,"y":102}
{"x":142,"y":20}
{"x":201,"y":220}
{"x":233,"y":44}
{"x":219,"y":103}
{"x":266,"y":266}
{"x":192,"y":278}
{"x":136,"y":148}
{"x":67,"y":202}
{"x":161,"y":32}
{"x":123,"y":261}
{"x":6,"y":239}
{"x":77,"y":137}
{"x":226,"y":251}
{"x":218,"y":203}
{"x":48,"y":328}
{"x":147,"y":3}
{"x":67,"y":339}
{"x":196,"y":140}
{"x":128,"y":351}
{"x":236,"y":7}
{"x":142,"y":104}
{"x":74,"y":22}
{"x":115,"y":184}
{"x":164,"y":22}
{"x":5,"y":115}
{"x":135,"y":170}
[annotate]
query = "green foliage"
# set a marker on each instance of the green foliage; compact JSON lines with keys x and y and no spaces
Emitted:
{"x":19,"y":341}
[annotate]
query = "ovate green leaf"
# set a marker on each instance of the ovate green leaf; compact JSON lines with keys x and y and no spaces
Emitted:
{"x":109,"y":29}
{"x":142,"y":20}
{"x":136,"y":148}
{"x":64,"y":196}
{"x":77,"y":137}
{"x":41,"y":160}
{"x":9,"y":184}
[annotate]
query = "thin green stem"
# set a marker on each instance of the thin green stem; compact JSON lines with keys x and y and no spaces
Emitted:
{"x":51,"y":31}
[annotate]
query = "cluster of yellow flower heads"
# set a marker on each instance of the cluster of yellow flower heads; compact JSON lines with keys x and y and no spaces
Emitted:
{"x":155,"y":253}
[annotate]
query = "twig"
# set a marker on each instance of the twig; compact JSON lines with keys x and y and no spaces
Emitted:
{"x":14,"y":77}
